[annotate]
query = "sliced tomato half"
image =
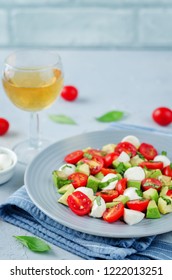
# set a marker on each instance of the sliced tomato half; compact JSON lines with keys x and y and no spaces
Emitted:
{"x":151,"y":183}
{"x":114,"y":213}
{"x":74,"y":157}
{"x":106,"y":171}
{"x":126,"y":147}
{"x":169,"y":193}
{"x":95,"y":164}
{"x":79,"y":203}
{"x":152,"y":164}
{"x":148,"y":151}
{"x":108,"y":195}
{"x":78,"y":179}
{"x":167,"y":170}
{"x":138,"y":204}
{"x":121,"y":185}
{"x":109,"y":158}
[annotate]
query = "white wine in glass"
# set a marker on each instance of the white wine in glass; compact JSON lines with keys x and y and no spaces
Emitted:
{"x":32,"y":80}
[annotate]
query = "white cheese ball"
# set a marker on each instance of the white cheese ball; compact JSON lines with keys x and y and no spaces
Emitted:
{"x":164,"y":159}
{"x":98,"y":208}
{"x":135,"y":173}
{"x":132,"y":139}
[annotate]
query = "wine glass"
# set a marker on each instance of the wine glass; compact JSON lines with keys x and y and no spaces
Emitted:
{"x":32,"y":79}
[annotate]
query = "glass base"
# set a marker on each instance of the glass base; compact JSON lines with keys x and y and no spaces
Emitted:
{"x":26,"y":153}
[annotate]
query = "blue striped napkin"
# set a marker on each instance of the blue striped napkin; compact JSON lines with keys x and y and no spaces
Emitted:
{"x":20,"y":211}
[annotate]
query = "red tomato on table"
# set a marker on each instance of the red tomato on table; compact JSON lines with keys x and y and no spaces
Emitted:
{"x":4,"y":126}
{"x":78,"y":179}
{"x":162,"y":116}
{"x":114,"y":213}
{"x":69,"y":93}
{"x":148,"y":151}
{"x":79,"y":203}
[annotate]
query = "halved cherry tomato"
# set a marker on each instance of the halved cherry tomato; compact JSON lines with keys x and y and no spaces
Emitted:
{"x":108,"y":195}
{"x":151,"y":183}
{"x":78,"y":179}
{"x":95,"y":152}
{"x":74,"y":157}
{"x":79,"y":203}
{"x":121,"y":185}
{"x":162,"y":116}
{"x":126,"y":147}
{"x":148,"y":151}
{"x":69,"y":93}
{"x":114,"y":213}
{"x":4,"y":126}
{"x":138,"y":204}
{"x":95,"y":164}
{"x":169,"y":193}
{"x":167,"y":170}
{"x":109,"y":158}
{"x":106,"y":171}
{"x":152,"y":164}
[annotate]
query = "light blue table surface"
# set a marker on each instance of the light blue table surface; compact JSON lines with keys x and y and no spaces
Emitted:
{"x":134,"y":82}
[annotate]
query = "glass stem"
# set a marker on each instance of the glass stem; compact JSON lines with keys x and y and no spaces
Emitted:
{"x":34,"y":130}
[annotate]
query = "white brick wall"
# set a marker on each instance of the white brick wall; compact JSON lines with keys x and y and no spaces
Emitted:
{"x":86,"y":23}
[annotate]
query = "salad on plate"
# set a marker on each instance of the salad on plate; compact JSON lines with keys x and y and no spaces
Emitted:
{"x":128,"y":181}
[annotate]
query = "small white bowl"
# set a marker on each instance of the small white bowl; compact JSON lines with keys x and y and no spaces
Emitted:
{"x":7,"y":173}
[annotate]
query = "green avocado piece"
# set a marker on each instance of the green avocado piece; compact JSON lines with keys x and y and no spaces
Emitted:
{"x":99,"y":175}
{"x":134,"y":184}
{"x":63,"y":198}
{"x":109,"y":148}
{"x":155,"y":173}
{"x":111,"y":204}
{"x":165,"y":204}
{"x":165,"y":180}
{"x":60,"y":178}
{"x":83,"y":168}
{"x":93,"y":183}
{"x":136,"y":160}
{"x":64,"y":189}
{"x":122,"y":198}
{"x":163,"y":191}
{"x":151,"y":194}
{"x":152,"y":210}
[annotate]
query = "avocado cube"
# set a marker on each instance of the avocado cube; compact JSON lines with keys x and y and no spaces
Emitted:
{"x":83,"y":168}
{"x":163,"y":191}
{"x":93,"y":183}
{"x":136,"y":160}
{"x":64,"y":189}
{"x":151,"y":194}
{"x":63,"y":198}
{"x":152,"y":210}
{"x":109,"y":148}
{"x":155,"y":173}
{"x":134,"y":184}
{"x":122,"y":198}
{"x":99,"y":175}
{"x":60,"y":178}
{"x":165,"y":204}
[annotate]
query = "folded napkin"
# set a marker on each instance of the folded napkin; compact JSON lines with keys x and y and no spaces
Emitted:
{"x":20,"y":211}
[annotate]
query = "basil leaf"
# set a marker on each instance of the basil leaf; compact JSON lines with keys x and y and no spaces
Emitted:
{"x":62,"y":119}
{"x":33,"y":243}
{"x":111,"y":116}
{"x":164,"y":153}
{"x":98,"y":200}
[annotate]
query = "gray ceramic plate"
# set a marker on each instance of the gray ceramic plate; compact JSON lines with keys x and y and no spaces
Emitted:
{"x":40,"y":188}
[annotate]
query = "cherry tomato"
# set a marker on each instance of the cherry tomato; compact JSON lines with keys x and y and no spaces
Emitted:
{"x":121,"y":185}
{"x":69,"y":93}
{"x":106,"y":171}
{"x":126,"y":147}
{"x":138,"y":204}
{"x":79,"y":203}
{"x":108,"y":195}
{"x":114,"y":213}
{"x":78,"y":179}
{"x":169,"y":193}
{"x":74,"y":157}
{"x":167,"y":170}
{"x":162,"y":116}
{"x":148,"y":151}
{"x":152,"y":164}
{"x":95,"y":164}
{"x":109,"y":158}
{"x":95,"y":152}
{"x":4,"y":126}
{"x":151,"y":183}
